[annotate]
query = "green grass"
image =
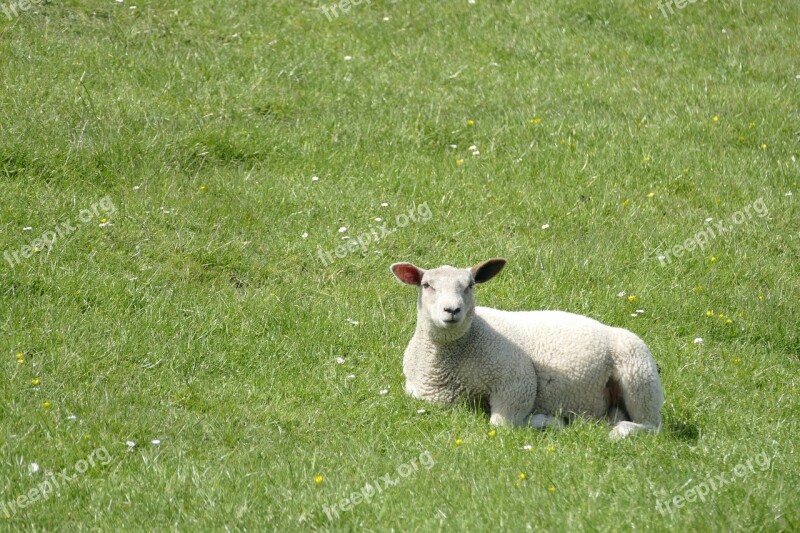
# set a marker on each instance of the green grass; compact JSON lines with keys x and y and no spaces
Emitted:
{"x":201,"y":316}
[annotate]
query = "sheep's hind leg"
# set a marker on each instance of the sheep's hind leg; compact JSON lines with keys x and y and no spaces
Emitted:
{"x":625,"y":428}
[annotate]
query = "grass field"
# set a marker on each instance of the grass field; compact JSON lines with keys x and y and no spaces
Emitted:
{"x":189,"y":342}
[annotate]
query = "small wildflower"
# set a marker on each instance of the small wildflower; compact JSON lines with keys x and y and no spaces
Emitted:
{"x":763,"y":146}
{"x":632,"y":298}
{"x":710,"y":312}
{"x":33,"y":468}
{"x":459,"y":442}
{"x":459,"y":161}
{"x":715,"y":119}
{"x":470,"y":122}
{"x":535,"y":120}
{"x":318,"y":479}
{"x":492,"y":433}
{"x":625,"y":203}
{"x":621,"y":294}
{"x":342,"y":229}
{"x":527,"y":447}
{"x":384,"y":204}
{"x":35,"y":382}
{"x":46,"y":405}
{"x":737,"y":361}
{"x":698,"y":288}
{"x":651,"y":194}
{"x":348,"y":58}
{"x":304,"y":235}
{"x":421,"y":411}
{"x":203,"y":187}
{"x":155,"y":442}
{"x":314,"y":178}
{"x":130,"y":444}
{"x":752,"y":124}
{"x":646,"y":158}
{"x":340,"y":360}
{"x":20,"y":356}
{"x":761,"y":297}
{"x":712,"y":259}
{"x":551,"y":449}
{"x":545,"y":226}
{"x":698,"y":340}
{"x":522,"y":476}
{"x":729,"y":321}
{"x":551,"y":489}
{"x":384,"y":392}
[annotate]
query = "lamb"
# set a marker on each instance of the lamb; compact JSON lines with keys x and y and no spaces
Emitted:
{"x":532,"y":367}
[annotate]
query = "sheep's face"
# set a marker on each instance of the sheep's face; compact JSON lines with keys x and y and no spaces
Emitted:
{"x":446,"y":302}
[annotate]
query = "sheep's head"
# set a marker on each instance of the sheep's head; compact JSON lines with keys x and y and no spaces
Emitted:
{"x":446,"y":302}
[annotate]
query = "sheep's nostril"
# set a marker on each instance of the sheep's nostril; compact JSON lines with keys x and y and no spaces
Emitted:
{"x":452,"y":311}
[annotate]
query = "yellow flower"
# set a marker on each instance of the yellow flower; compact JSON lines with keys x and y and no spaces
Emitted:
{"x":46,"y":405}
{"x":35,"y":382}
{"x":551,"y":489}
{"x":459,"y":442}
{"x":318,"y":479}
{"x":651,"y":194}
{"x":710,"y":312}
{"x":536,"y":120}
{"x":646,"y":158}
{"x":729,"y":321}
{"x":764,"y":146}
{"x":459,"y":161}
{"x":632,"y":298}
{"x":625,"y":202}
{"x":103,"y":220}
{"x":715,"y":119}
{"x":713,"y":259}
{"x":35,"y":249}
{"x":470,"y":122}
{"x":737,"y":361}
{"x":551,"y":449}
{"x":522,"y":476}
{"x":20,"y":355}
{"x":752,"y":124}
{"x":492,"y":433}
{"x":203,"y":187}
{"x":760,"y":296}
{"x":698,"y":288}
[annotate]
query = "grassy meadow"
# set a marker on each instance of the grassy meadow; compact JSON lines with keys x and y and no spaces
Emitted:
{"x":201,"y":200}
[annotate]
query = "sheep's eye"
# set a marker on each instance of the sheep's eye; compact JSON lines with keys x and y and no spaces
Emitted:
{"x":426,"y":285}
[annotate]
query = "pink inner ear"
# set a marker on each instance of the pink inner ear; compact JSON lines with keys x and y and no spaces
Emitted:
{"x":407,"y":273}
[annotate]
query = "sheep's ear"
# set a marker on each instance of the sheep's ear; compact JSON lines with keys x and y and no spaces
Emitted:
{"x":407,"y":273}
{"x":487,"y":270}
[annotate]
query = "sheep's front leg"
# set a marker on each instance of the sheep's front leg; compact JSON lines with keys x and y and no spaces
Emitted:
{"x":511,"y":406}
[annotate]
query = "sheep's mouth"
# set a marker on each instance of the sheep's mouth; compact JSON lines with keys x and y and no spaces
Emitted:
{"x":451,"y":321}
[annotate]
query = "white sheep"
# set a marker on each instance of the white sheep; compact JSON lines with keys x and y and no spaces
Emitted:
{"x":533,"y":367}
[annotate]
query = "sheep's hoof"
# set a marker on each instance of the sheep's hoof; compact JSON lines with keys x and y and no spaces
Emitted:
{"x":540,"y":421}
{"x":623,"y":429}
